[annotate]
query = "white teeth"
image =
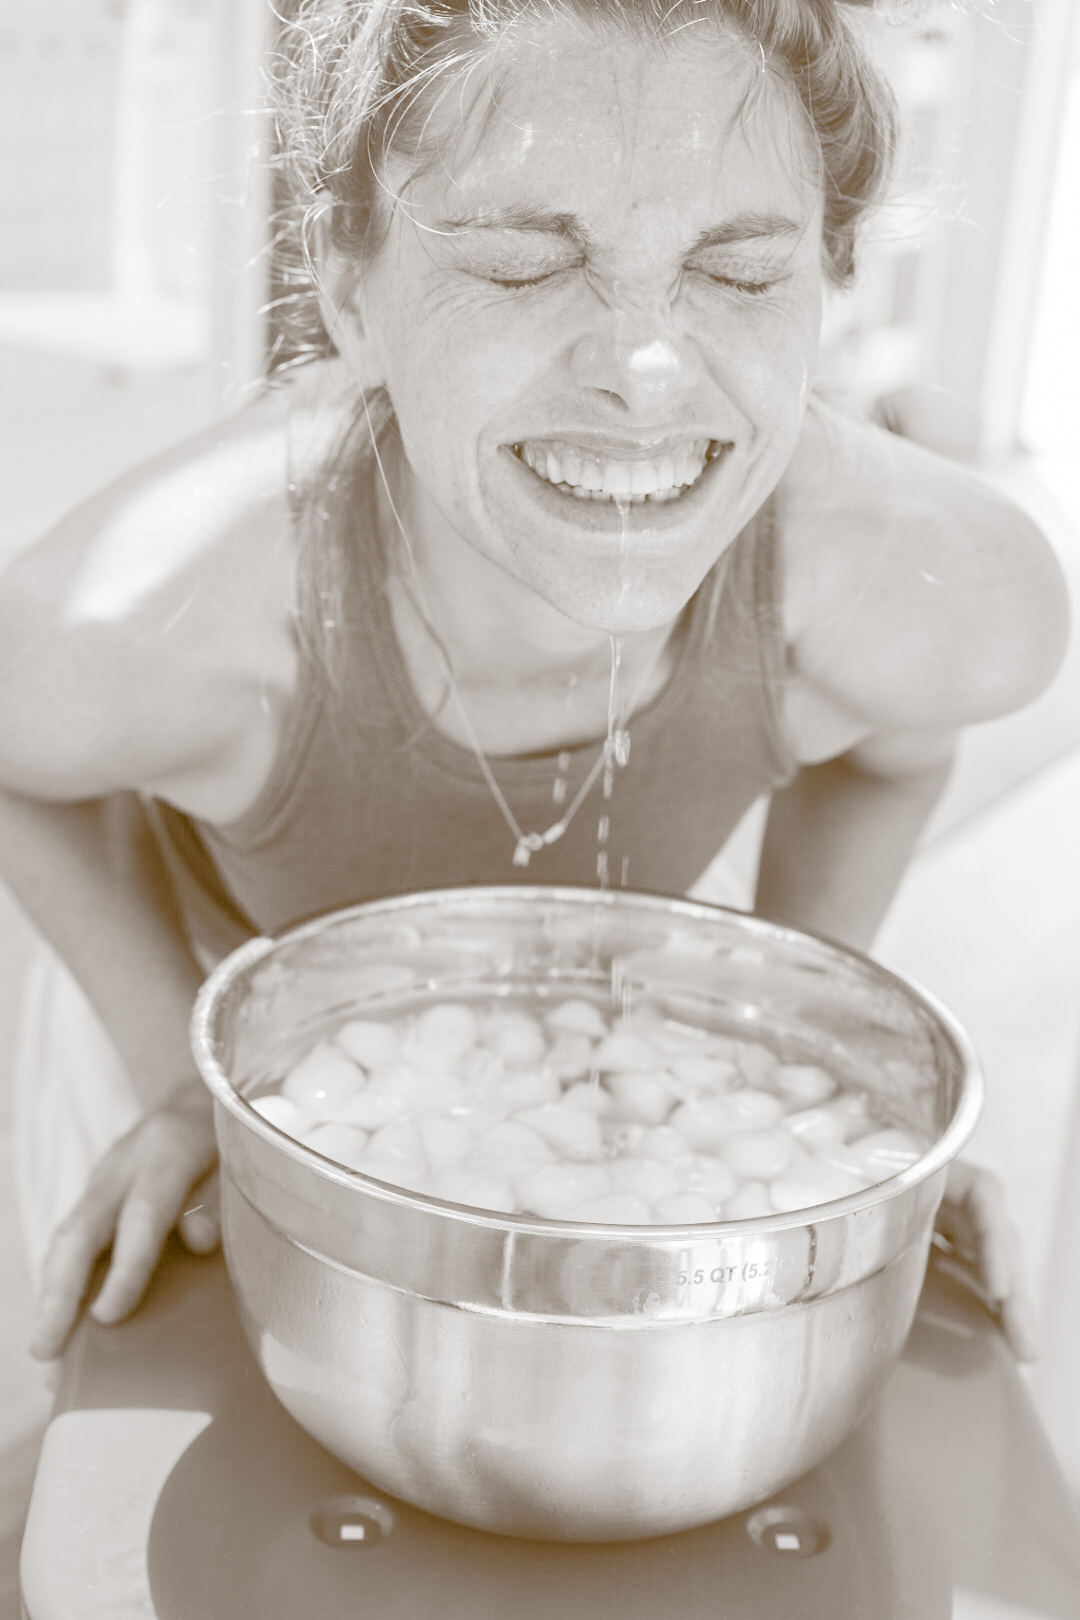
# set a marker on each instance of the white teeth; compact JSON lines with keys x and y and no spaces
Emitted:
{"x":645,"y":478}
{"x":572,"y":465}
{"x":581,"y":473}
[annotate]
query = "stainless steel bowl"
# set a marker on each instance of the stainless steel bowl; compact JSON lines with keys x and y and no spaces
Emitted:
{"x":556,"y":1380}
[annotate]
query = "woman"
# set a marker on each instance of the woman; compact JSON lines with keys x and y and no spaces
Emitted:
{"x":562,"y":482}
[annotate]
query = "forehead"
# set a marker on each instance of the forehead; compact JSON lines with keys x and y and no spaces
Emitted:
{"x":605,"y":122}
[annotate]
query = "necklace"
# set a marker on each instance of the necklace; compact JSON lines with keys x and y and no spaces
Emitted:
{"x":614,"y":751}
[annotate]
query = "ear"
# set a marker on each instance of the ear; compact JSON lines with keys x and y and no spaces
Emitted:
{"x":337,"y":280}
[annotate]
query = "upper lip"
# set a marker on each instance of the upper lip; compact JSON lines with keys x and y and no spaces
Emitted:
{"x":616,"y":449}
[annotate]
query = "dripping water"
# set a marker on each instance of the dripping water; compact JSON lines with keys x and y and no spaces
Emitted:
{"x":616,"y":757}
{"x":617,"y":740}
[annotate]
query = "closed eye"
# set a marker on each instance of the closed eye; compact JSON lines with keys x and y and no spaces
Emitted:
{"x":518,"y":283}
{"x":752,"y":289}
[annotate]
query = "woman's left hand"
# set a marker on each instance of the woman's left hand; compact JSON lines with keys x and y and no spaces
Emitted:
{"x":976,"y":1225}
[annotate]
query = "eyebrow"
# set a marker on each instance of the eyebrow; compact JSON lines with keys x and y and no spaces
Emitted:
{"x":745,"y":226}
{"x":516,"y":217}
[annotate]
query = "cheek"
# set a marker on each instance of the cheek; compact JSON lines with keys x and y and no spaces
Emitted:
{"x":766,"y":360}
{"x":456,"y":372}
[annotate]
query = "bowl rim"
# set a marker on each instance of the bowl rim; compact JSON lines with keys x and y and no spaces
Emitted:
{"x":941,"y":1153}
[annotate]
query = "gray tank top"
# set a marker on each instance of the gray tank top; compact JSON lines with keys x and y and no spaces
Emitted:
{"x":367,"y":798}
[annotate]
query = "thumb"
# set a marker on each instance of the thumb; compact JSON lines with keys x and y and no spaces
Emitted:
{"x":200,"y":1224}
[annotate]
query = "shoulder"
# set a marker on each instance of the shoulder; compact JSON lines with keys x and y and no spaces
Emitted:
{"x":917,"y":596}
{"x":140,"y":636}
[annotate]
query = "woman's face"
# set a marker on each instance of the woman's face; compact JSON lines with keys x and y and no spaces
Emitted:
{"x":596,"y":313}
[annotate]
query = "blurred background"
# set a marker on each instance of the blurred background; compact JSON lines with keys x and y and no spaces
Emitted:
{"x":133,"y":310}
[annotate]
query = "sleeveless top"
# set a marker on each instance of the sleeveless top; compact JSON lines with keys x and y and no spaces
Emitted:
{"x":367,"y":798}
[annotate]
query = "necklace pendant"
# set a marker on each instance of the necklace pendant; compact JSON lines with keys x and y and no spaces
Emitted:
{"x":527,"y":846}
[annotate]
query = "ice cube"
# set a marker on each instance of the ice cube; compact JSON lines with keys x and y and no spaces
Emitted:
{"x":808,"y":1185}
{"x":515,"y":1038}
{"x":283,"y":1113}
{"x":749,"y":1108}
{"x":572,"y":1131}
{"x":647,"y":1178}
{"x":622,"y":1049}
{"x":685,"y":1209}
{"x":368,"y":1042}
{"x":555,"y":1189}
{"x":369,"y":1109}
{"x":664,"y":1142}
{"x":710,"y":1177}
{"x":748,"y":1203}
{"x":345,"y":1144}
{"x":704,"y":1121}
{"x":699,"y":1071}
{"x":578,"y":1018}
{"x":445,"y":1141}
{"x":322,"y":1081}
{"x":449,"y":1026}
{"x":756,"y":1063}
{"x":886,"y":1153}
{"x":804,"y":1083}
{"x":588,"y":1095}
{"x":758,"y":1155}
{"x":642,"y":1095}
{"x":513,"y":1139}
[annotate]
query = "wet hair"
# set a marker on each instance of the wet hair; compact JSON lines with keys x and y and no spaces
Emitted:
{"x":352,"y":79}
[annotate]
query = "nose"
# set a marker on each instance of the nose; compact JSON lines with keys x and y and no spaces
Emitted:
{"x":637,"y":359}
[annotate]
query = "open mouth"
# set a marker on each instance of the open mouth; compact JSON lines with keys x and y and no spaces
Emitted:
{"x":593,"y":476}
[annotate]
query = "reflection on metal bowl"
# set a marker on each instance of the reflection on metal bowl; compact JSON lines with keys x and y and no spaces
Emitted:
{"x":545,"y":1379}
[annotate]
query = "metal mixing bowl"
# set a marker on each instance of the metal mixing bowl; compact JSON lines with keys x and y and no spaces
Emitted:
{"x":556,"y":1380}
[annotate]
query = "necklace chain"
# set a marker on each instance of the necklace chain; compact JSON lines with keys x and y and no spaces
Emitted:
{"x":615,"y":749}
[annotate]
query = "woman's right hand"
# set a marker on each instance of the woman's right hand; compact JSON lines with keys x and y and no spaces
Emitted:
{"x":155,"y":1178}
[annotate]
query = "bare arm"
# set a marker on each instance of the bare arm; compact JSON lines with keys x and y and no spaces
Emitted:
{"x":90,"y":878}
{"x":839,"y":838}
{"x":919,"y":601}
{"x":145,"y":647}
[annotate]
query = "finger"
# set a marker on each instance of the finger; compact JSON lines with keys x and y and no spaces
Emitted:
{"x":995,"y":1242}
{"x":144,"y":1222}
{"x":159,"y":1192}
{"x":200,"y":1224}
{"x":974,"y":1221}
{"x":1017,"y":1313}
{"x":1019,"y":1325}
{"x":69,"y":1264}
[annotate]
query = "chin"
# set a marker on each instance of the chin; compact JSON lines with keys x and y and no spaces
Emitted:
{"x":618,"y":598}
